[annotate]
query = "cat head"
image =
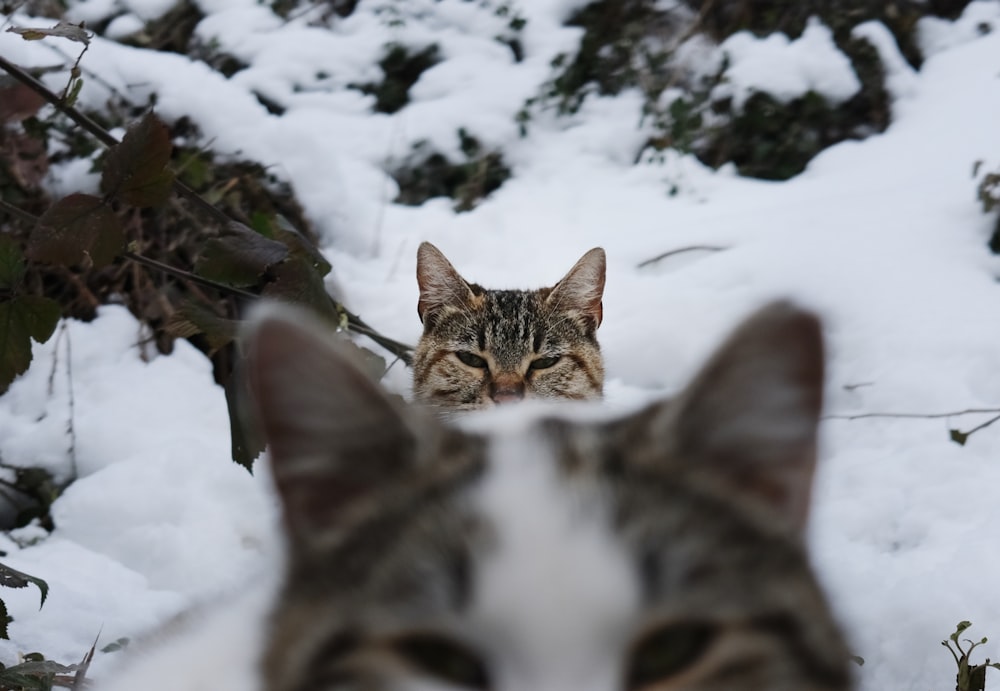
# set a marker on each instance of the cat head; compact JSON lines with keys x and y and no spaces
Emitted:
{"x":662,"y":550}
{"x":483,"y":347}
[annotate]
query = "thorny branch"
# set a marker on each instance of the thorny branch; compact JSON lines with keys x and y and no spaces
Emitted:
{"x":354,"y":322}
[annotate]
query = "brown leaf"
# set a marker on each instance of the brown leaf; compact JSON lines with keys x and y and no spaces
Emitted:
{"x":135,"y":170}
{"x":193,"y":318}
{"x":18,"y":102}
{"x":75,"y":228}
{"x":26,"y":157}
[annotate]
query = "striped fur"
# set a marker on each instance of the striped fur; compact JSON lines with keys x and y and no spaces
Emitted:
{"x":659,"y":551}
{"x":483,"y":347}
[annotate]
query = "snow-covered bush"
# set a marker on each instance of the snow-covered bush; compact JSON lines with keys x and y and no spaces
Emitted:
{"x":761,"y":84}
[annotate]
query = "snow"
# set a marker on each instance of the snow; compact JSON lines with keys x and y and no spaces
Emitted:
{"x":900,"y":77}
{"x":787,"y":69}
{"x":884,"y":238}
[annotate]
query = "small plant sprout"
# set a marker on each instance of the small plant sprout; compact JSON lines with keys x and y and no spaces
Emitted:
{"x":970,"y":677}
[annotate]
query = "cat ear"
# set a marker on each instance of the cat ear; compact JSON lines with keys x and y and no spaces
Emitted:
{"x":439,"y":283}
{"x":334,"y":437}
{"x":582,"y":289}
{"x":750,"y":417}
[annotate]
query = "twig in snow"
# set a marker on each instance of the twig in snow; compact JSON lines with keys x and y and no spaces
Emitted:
{"x":692,"y":248}
{"x":925,"y":416}
{"x":956,"y":435}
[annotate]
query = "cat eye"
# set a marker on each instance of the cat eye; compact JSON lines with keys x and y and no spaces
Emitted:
{"x":443,"y":659}
{"x":545,"y":362}
{"x":470,"y":359}
{"x":668,"y":651}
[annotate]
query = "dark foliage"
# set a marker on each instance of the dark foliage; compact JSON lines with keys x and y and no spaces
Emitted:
{"x":722,"y":18}
{"x":631,"y":44}
{"x":401,"y":69}
{"x":430,"y":174}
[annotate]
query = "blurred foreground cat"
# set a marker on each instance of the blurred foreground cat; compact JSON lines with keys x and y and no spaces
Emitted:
{"x":484,"y":347}
{"x":659,"y":551}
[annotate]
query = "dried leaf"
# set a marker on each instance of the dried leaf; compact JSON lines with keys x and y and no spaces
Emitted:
{"x":76,"y":227}
{"x":958,"y":436}
{"x":74,"y":32}
{"x":22,"y":319}
{"x":239,"y":257}
{"x":135,"y":170}
{"x":192,"y":319}
{"x":80,"y":678}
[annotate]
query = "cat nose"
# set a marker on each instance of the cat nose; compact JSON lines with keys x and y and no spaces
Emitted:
{"x":507,"y":391}
{"x":507,"y":396}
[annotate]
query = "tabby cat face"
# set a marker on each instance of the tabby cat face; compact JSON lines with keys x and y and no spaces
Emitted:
{"x":481,"y":347}
{"x":660,"y":551}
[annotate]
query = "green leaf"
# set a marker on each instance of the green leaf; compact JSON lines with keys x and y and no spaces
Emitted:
{"x":958,"y":436}
{"x":10,"y":679}
{"x":239,"y":256}
{"x":962,"y":626}
{"x":12,"y":578}
{"x":371,"y":363}
{"x":34,"y":674}
{"x":135,"y":170}
{"x":115,"y":646}
{"x":74,"y":228}
{"x":299,"y":279}
{"x":5,"y":619}
{"x":11,"y":264}
{"x":247,"y":441}
{"x":977,"y":679}
{"x":21,"y":319}
{"x":296,"y":281}
{"x":76,"y":86}
{"x":300,"y":246}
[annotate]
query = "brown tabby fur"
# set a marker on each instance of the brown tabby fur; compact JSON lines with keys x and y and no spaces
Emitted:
{"x":506,"y":334}
{"x":662,"y":551}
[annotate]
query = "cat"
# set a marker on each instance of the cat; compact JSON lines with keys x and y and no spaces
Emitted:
{"x":482,"y":348}
{"x":523,"y":553}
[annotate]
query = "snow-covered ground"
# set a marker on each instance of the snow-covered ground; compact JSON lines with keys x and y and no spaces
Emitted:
{"x":884,"y":238}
